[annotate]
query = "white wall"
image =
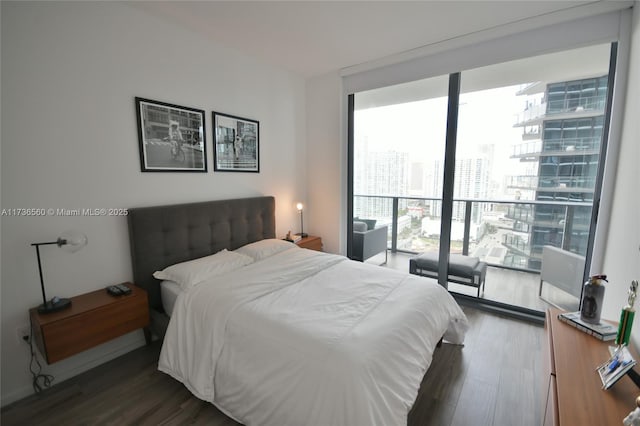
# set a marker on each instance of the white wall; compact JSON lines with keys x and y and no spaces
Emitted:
{"x":70,"y":72}
{"x":622,"y":254}
{"x":326,"y":161}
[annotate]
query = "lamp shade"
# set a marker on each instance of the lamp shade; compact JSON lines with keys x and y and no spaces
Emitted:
{"x":72,"y":241}
{"x":300,"y":207}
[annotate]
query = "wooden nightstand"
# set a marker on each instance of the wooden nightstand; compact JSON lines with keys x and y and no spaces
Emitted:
{"x":311,"y":242}
{"x":93,"y":318}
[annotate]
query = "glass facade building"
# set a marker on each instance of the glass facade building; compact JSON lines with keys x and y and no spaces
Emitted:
{"x":563,"y":132}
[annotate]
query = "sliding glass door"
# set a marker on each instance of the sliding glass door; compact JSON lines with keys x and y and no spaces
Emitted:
{"x":398,"y":159}
{"x":517,"y":170}
{"x":530,"y":139}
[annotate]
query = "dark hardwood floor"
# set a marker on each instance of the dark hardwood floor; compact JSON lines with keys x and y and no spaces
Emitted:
{"x":492,"y":380}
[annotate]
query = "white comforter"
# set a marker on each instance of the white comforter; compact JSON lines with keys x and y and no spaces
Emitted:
{"x":309,"y":338}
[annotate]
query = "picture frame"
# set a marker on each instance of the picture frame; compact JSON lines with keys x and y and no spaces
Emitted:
{"x":620,"y":363}
{"x":171,"y":137}
{"x":236,"y":146}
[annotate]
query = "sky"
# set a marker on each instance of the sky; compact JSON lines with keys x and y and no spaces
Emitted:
{"x":419,"y":128}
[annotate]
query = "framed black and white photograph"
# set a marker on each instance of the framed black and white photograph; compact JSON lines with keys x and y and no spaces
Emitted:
{"x":171,"y":137}
{"x":236,"y":144}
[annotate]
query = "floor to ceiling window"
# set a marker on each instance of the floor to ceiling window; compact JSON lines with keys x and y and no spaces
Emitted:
{"x":399,"y":144}
{"x":528,"y":152}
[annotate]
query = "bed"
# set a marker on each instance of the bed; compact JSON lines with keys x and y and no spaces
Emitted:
{"x":273,"y":334}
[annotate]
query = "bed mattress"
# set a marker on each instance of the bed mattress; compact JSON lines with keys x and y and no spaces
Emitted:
{"x":305,"y":337}
{"x":169,"y":291}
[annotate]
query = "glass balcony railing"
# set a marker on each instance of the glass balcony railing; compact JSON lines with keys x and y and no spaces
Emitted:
{"x":572,"y":146}
{"x":531,"y":135}
{"x":553,"y":183}
{"x":524,"y":182}
{"x":575,"y":103}
{"x":508,"y":234}
{"x":569,"y":146}
{"x":558,"y":183}
{"x":586,"y":105}
{"x":531,"y":114}
{"x":526,"y":149}
{"x":552,"y":217}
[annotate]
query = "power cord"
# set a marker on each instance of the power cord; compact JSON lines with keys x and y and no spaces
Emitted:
{"x":41,"y":381}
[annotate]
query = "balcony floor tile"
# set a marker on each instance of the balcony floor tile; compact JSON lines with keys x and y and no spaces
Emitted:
{"x":502,"y":285}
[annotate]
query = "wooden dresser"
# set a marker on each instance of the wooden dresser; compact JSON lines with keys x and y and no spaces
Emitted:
{"x":573,"y":393}
{"x":93,"y":318}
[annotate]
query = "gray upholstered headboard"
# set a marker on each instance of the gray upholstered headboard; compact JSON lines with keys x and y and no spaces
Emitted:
{"x":163,"y":235}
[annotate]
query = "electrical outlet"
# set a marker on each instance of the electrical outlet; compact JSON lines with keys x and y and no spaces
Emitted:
{"x":22,"y":333}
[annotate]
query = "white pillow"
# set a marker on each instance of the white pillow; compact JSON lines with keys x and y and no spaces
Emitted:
{"x":265,"y":248}
{"x":187,"y":274}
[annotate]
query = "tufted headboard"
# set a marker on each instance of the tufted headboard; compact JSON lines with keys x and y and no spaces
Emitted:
{"x":164,"y":235}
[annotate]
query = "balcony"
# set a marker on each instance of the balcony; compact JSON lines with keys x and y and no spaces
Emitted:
{"x":575,"y":184}
{"x":553,"y":216}
{"x":508,"y":235}
{"x":523,"y":182}
{"x":528,"y":149}
{"x":508,"y":286}
{"x":557,"y":147}
{"x":572,"y":146}
{"x":565,"y":107}
{"x":531,"y":135}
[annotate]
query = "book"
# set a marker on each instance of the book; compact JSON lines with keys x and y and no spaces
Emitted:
{"x":293,"y":238}
{"x":615,"y":367}
{"x":603,"y":331}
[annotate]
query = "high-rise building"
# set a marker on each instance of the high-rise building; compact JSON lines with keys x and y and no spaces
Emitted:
{"x":417,"y":179}
{"x":472,"y":175}
{"x":384,"y":173}
{"x":562,"y":134}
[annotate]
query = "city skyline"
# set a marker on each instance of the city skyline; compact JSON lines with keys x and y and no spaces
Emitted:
{"x":486,"y":132}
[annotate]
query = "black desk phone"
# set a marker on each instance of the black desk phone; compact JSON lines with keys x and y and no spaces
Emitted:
{"x":118,"y":290}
